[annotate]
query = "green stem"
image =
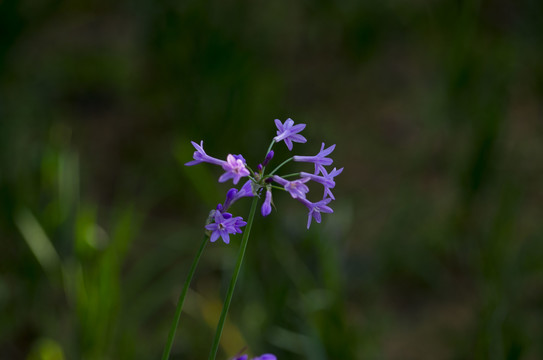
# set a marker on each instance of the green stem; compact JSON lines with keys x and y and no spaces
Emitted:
{"x":290,"y":175}
{"x":171,"y":335}
{"x":251,"y":170}
{"x":230,"y":293}
{"x":269,"y":149}
{"x":283,"y":163}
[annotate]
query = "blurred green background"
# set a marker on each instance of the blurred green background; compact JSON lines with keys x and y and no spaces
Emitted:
{"x":435,"y":249}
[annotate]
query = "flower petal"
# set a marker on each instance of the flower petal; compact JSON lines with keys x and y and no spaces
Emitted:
{"x":288,"y":123}
{"x":214,"y":236}
{"x":297,"y":128}
{"x":298,"y":138}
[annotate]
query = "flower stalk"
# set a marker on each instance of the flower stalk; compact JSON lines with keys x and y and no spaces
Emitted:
{"x":181,"y":300}
{"x":231,"y":287}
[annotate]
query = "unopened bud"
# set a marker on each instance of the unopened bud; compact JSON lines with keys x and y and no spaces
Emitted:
{"x":269,"y":156}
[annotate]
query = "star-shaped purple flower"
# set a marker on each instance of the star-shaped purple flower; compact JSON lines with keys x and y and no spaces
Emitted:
{"x":224,"y":225}
{"x":320,"y":159}
{"x":315,"y":209}
{"x":289,"y":132}
{"x":200,"y":156}
{"x":327,"y":179}
{"x":296,"y":188}
{"x":235,"y":169}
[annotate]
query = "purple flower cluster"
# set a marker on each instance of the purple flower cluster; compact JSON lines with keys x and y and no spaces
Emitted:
{"x":222,"y":224}
{"x":261,"y":357}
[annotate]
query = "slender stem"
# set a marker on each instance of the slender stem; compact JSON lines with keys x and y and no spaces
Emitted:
{"x":290,"y":175}
{"x":233,"y":281}
{"x":283,"y":163}
{"x":171,"y":335}
{"x":269,"y":149}
{"x":251,"y":170}
{"x":278,"y":187}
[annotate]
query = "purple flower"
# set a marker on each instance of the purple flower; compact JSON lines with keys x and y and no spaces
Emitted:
{"x":331,"y":176}
{"x":235,"y":169}
{"x":238,"y":222}
{"x":240,"y":157}
{"x":266,"y":357}
{"x":320,"y":159}
{"x":200,"y":156}
{"x":315,"y":209}
{"x":296,"y":188}
{"x":266,"y":207}
{"x":289,"y":132}
{"x":224,"y":225}
{"x":327,"y":179}
{"x":320,"y":179}
{"x":234,"y":195}
{"x":261,"y":357}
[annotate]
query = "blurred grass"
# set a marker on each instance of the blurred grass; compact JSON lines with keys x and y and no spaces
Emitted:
{"x":434,"y":250}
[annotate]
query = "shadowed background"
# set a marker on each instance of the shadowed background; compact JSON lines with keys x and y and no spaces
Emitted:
{"x":435,"y":247}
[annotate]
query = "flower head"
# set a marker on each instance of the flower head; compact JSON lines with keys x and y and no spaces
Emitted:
{"x":235,"y":169}
{"x":296,"y":188}
{"x":289,"y":132}
{"x":315,"y":209}
{"x":200,"y":156}
{"x":224,"y":225}
{"x":320,"y":159}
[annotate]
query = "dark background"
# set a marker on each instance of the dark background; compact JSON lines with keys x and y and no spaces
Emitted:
{"x":435,"y":249}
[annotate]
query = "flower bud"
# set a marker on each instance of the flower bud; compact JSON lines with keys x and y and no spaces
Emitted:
{"x":268,"y":158}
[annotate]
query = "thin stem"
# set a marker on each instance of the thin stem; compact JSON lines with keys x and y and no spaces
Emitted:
{"x":171,"y":335}
{"x":290,"y":175}
{"x":233,"y":281}
{"x":278,"y":187}
{"x":251,"y":170}
{"x":283,"y":163}
{"x":269,"y":149}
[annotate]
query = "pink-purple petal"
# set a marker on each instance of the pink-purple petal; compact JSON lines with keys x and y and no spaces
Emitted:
{"x":288,"y":123}
{"x":225,"y":237}
{"x":298,"y":138}
{"x":214,"y":236}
